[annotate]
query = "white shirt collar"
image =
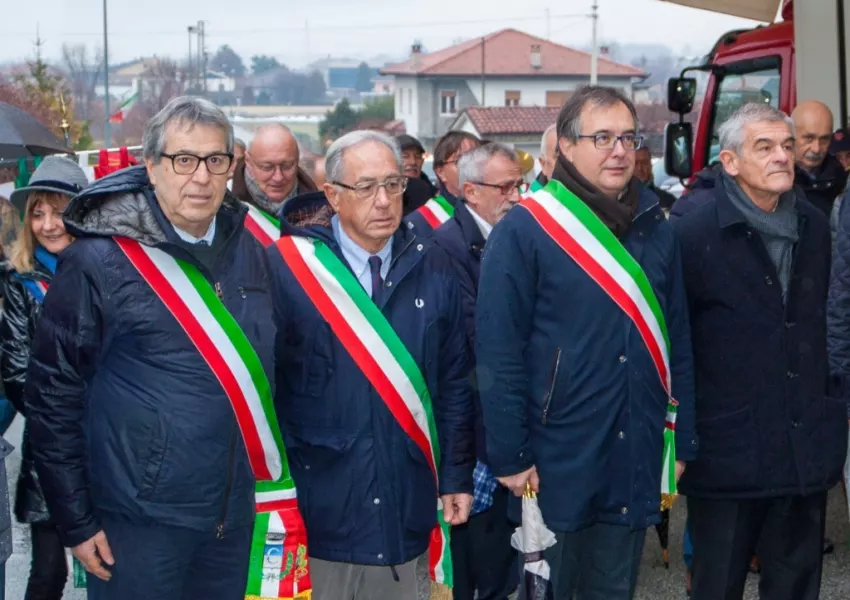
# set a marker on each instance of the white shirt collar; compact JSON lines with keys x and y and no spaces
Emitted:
{"x":483,"y":225}
{"x":188,"y":237}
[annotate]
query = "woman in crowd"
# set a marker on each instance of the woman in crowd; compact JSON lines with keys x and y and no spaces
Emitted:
{"x":31,"y":265}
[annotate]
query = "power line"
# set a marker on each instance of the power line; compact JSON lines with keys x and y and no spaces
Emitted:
{"x":236,"y":32}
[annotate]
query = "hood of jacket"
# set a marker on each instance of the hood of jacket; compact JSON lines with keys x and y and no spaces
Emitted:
{"x":124,"y":204}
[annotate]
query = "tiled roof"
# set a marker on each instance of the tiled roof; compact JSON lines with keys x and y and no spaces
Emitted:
{"x":511,"y":119}
{"x":508,"y":53}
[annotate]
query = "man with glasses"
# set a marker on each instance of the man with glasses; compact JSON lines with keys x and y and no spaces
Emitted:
{"x":270,"y":173}
{"x":372,"y":369}
{"x":490,"y":178}
{"x":582,"y":345}
{"x":157,"y":313}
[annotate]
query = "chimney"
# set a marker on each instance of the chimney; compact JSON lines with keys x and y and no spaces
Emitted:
{"x":415,"y":54}
{"x":535,"y":56}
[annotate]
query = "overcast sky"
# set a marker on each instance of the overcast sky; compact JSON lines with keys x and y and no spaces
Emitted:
{"x":344,"y":28}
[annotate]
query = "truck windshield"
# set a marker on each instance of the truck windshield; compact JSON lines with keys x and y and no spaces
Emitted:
{"x":736,"y":89}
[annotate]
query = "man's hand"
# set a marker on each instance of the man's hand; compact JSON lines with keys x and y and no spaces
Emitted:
{"x":680,"y":469}
{"x":93,"y":553}
{"x":516,"y":483}
{"x":456,"y":508}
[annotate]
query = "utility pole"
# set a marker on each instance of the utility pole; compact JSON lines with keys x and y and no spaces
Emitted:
{"x":190,"y":68}
{"x":107,"y":127}
{"x":594,"y":57}
{"x":202,"y":50}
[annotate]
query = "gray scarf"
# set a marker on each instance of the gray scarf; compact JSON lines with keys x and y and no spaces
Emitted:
{"x":779,"y":230}
{"x":260,"y":197}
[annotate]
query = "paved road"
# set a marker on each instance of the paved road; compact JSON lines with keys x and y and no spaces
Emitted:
{"x":656,"y":582}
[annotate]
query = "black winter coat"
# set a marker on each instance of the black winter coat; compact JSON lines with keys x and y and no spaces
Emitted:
{"x":21,"y":312}
{"x":766,"y":424}
{"x":128,"y":421}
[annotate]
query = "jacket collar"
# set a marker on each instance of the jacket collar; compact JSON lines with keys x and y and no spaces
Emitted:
{"x":472,"y":235}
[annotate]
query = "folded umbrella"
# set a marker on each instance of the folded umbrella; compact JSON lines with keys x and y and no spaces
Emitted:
{"x":22,"y":136}
{"x":531,"y":539}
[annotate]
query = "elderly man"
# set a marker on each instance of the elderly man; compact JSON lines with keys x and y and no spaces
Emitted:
{"x":490,"y":178}
{"x":818,"y":172}
{"x":148,"y":378}
{"x":643,"y":171}
{"x":582,"y":343}
{"x":413,"y":155}
{"x":772,"y":441}
{"x":270,"y":175}
{"x":372,"y":372}
{"x":428,"y":217}
{"x":547,"y":156}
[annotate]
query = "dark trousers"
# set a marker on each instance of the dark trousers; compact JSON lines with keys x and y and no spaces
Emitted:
{"x":482,"y":556}
{"x":49,"y":568}
{"x":171,"y":563}
{"x":786,"y":533}
{"x":597,"y":563}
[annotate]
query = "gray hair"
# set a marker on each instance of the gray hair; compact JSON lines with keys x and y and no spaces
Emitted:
{"x":569,"y":119}
{"x":731,"y":131}
{"x":334,"y":166}
{"x":546,"y":133}
{"x":187,"y":110}
{"x":239,"y":142}
{"x":471,"y":164}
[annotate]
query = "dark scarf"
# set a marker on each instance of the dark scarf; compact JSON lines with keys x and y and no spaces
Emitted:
{"x":616,"y":213}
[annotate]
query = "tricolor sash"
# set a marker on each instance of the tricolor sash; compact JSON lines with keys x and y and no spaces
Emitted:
{"x":382,"y":357}
{"x":436,"y":211}
{"x":262,"y":225}
{"x":37,"y":288}
{"x":584,"y":237}
{"x":278,"y":561}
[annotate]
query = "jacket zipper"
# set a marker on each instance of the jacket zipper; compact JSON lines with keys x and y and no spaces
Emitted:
{"x":219,"y":292}
{"x":553,"y":375}
{"x":227,"y":484}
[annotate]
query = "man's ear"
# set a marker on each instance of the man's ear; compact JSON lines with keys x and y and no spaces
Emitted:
{"x":149,"y":165}
{"x":729,"y":160}
{"x":565,"y":148}
{"x":470,"y":193}
{"x":333,"y":196}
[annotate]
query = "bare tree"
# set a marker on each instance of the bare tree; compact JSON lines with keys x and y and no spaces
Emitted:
{"x":163,"y":80}
{"x":83,"y":71}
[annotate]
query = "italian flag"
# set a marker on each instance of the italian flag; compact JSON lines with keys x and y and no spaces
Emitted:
{"x":119,"y":115}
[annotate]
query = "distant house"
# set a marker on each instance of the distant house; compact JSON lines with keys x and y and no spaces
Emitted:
{"x":519,"y":126}
{"x":503,"y":69}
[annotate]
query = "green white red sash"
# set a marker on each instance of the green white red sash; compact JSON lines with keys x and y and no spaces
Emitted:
{"x":382,"y":357}
{"x":584,"y":237}
{"x":436,"y":211}
{"x":278,"y":562}
{"x":262,"y":225}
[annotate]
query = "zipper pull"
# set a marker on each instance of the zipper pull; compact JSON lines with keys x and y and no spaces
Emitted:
{"x":219,"y":531}
{"x":218,"y":291}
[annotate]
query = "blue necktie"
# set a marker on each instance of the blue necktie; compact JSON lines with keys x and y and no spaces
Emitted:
{"x":375,"y":269}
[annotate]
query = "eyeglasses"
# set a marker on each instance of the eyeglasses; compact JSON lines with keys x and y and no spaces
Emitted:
{"x":187,"y":164}
{"x":506,"y":188}
{"x":269,"y":168}
{"x":366,"y":190}
{"x":607,"y":141}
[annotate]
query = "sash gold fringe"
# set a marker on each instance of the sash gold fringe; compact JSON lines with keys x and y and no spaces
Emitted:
{"x":440,"y":591}
{"x":667,"y":501}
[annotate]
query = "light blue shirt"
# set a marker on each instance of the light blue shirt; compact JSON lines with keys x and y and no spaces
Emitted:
{"x":208,"y":237}
{"x":358,"y":258}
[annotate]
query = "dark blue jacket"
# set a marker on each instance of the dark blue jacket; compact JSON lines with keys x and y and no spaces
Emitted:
{"x":765,"y":424}
{"x":418,"y":224}
{"x":462,"y":240}
{"x":593,"y":426}
{"x":364,"y":488}
{"x":126,"y":417}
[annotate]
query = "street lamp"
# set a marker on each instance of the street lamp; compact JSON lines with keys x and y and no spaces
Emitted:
{"x":107,"y":129}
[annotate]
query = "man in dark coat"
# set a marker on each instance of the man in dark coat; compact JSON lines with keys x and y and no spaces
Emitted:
{"x":772,"y":442}
{"x":413,"y":155}
{"x":576,"y":392}
{"x":367,"y":486}
{"x":135,"y":439}
{"x":427,"y":218}
{"x":643,"y":171}
{"x":270,"y":174}
{"x":817,"y":172}
{"x":490,"y":178}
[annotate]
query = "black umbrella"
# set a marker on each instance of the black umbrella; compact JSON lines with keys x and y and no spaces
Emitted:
{"x":22,"y":136}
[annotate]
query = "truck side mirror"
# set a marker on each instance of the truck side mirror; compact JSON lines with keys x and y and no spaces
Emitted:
{"x":681,"y":93}
{"x":678,"y":149}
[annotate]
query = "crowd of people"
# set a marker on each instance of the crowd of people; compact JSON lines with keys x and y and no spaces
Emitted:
{"x":241,"y":377}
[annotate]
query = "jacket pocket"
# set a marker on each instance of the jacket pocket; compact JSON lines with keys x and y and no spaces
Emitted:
{"x":152,"y":465}
{"x":419,"y":489}
{"x":326,"y":476}
{"x":550,"y":385}
{"x":826,"y":449}
{"x":727,"y":456}
{"x":317,"y":366}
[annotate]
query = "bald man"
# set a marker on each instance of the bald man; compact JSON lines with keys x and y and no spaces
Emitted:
{"x":819,"y":174}
{"x":547,"y":154}
{"x":270,"y":175}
